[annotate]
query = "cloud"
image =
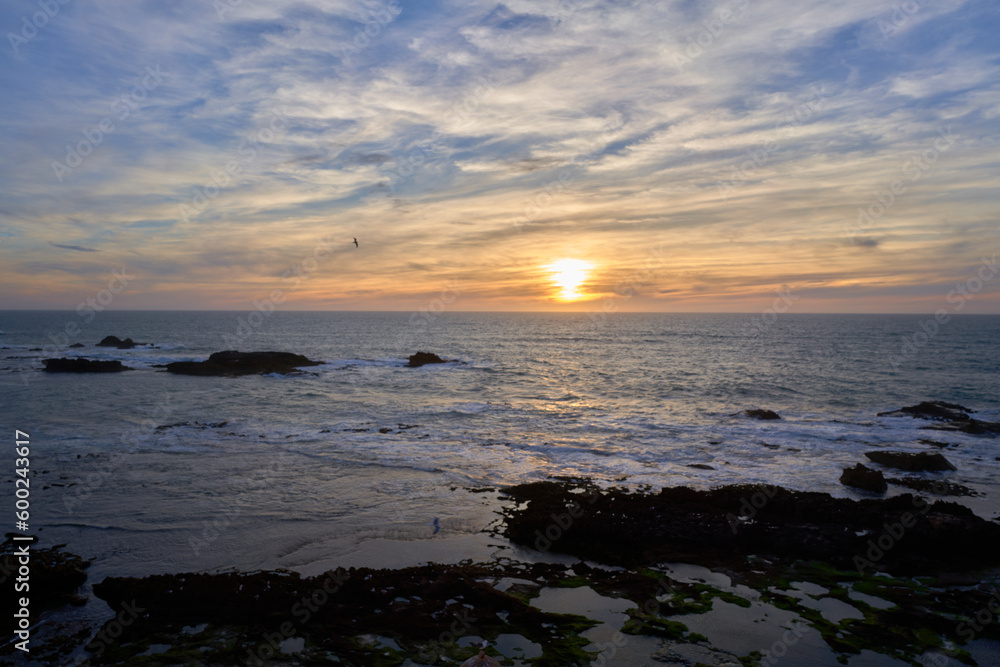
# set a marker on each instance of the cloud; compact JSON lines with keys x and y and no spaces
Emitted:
{"x":449,"y":134}
{"x":71,"y":247}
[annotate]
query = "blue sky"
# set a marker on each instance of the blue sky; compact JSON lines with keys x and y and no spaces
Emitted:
{"x":696,"y":156}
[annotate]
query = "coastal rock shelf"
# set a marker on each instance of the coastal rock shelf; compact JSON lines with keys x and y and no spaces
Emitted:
{"x":80,"y":365}
{"x":728,"y":524}
{"x":232,"y":363}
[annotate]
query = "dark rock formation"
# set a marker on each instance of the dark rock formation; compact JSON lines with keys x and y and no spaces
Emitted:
{"x":924,"y":461}
{"x":115,"y":341}
{"x":761,"y":414}
{"x":232,"y":363}
{"x":421,"y":358}
{"x":75,"y":345}
{"x":65,"y":365}
{"x":725,"y":525}
{"x":949,"y":417}
{"x":55,"y":576}
{"x":863,"y":477}
{"x":937,"y":410}
{"x":937,"y":487}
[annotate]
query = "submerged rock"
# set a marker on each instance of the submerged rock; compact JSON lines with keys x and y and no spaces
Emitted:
{"x":863,"y":477}
{"x":421,"y":358}
{"x":924,"y":461}
{"x":65,"y":365}
{"x":761,"y":414}
{"x":947,"y":417}
{"x":233,"y":363}
{"x":936,"y":410}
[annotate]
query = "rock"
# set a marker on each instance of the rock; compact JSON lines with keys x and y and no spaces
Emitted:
{"x":760,"y":414}
{"x":55,"y":576}
{"x":78,"y":365}
{"x":700,"y":466}
{"x":723,"y":526}
{"x":74,"y":345}
{"x":421,"y":358}
{"x":233,"y":363}
{"x":863,"y":477}
{"x":936,"y":410}
{"x":115,"y":341}
{"x":937,"y":487}
{"x":948,"y":417}
{"x":924,"y":461}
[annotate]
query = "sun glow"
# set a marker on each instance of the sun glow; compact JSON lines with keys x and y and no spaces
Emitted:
{"x":568,"y":275}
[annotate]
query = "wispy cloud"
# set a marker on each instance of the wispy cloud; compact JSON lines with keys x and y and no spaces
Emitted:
{"x":427,"y":129}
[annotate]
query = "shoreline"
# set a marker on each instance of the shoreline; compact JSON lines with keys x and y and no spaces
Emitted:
{"x":660,"y":600}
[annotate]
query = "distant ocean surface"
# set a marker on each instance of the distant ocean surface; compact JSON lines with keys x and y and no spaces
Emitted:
{"x":350,"y":462}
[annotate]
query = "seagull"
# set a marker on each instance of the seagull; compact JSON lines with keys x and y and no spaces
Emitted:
{"x":437,"y":525}
{"x":355,"y":242}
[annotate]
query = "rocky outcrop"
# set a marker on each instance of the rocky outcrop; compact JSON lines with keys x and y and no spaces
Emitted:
{"x":233,"y":363}
{"x":115,"y":341}
{"x":76,"y":345}
{"x":947,"y":417}
{"x":924,"y":461}
{"x":78,"y":365}
{"x":421,"y":358}
{"x":727,"y":524}
{"x":56,"y":576}
{"x":863,"y":477}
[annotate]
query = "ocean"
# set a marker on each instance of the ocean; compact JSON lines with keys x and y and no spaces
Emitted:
{"x":350,"y":462}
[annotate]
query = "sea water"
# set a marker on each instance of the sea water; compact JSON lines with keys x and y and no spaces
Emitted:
{"x":349,"y":462}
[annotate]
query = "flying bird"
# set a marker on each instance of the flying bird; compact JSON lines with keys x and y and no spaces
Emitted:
{"x":437,"y":525}
{"x":355,"y":242}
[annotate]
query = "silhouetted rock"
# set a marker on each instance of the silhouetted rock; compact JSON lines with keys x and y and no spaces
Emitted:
{"x":948,"y":417}
{"x":74,"y":345}
{"x":233,"y":363}
{"x":115,"y":341}
{"x":863,"y":477}
{"x":421,"y":358}
{"x":65,"y":365}
{"x":761,"y":414}
{"x":929,"y":461}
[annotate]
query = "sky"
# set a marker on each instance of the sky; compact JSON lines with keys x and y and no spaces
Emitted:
{"x":577,"y":155}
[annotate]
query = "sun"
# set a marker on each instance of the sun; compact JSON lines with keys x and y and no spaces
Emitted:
{"x":568,"y":275}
